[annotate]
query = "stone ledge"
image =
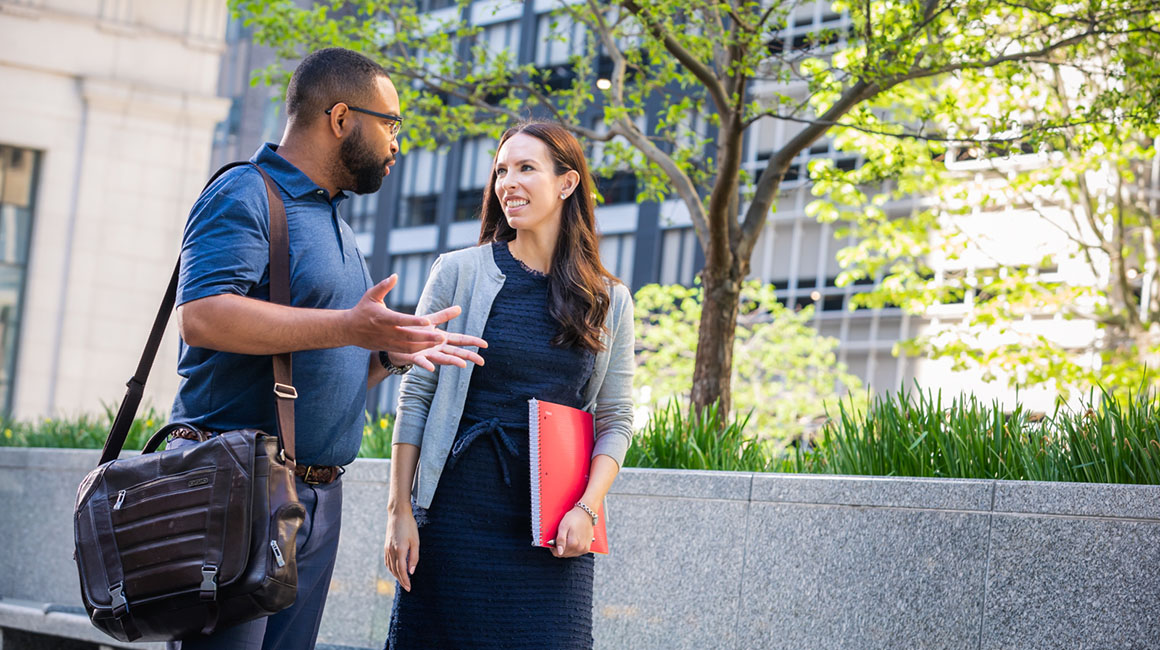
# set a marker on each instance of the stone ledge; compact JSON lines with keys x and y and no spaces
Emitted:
{"x":922,"y":493}
{"x":59,"y":621}
{"x":1084,"y":499}
{"x":730,"y":486}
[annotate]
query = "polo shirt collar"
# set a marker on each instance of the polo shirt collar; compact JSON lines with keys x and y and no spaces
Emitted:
{"x":287,"y":176}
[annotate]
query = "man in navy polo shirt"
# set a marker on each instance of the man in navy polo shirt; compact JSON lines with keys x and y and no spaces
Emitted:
{"x":343,"y":119}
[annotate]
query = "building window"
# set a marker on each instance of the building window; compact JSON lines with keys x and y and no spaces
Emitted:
{"x":474,"y":173}
{"x":360,"y":212}
{"x":678,"y":256}
{"x":423,"y":173}
{"x":18,"y":169}
{"x":617,"y":255}
{"x":620,"y":187}
{"x":412,"y":270}
{"x":799,"y":170}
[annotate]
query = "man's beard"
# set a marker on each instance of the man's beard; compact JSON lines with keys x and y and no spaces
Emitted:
{"x":363,"y":167}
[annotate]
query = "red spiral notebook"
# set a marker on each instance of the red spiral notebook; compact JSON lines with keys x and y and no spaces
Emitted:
{"x":560,"y":440}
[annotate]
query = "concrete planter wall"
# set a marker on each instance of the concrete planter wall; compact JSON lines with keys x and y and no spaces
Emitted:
{"x":731,"y":560}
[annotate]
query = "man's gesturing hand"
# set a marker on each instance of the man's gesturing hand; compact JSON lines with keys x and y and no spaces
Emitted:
{"x":406,"y":338}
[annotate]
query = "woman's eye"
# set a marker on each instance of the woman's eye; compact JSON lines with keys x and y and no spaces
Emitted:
{"x":526,"y":168}
{"x":500,"y":172}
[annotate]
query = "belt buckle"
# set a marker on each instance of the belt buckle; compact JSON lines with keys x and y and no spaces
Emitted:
{"x":308,"y":479}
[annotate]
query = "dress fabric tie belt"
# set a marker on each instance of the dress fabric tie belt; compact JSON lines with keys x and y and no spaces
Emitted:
{"x":500,"y":440}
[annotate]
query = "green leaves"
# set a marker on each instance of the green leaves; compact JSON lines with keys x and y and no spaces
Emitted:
{"x":675,"y":438}
{"x":783,"y":371}
{"x":1107,"y":438}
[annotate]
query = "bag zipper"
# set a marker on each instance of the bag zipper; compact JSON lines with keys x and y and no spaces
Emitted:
{"x":277,"y":553}
{"x":186,"y":475}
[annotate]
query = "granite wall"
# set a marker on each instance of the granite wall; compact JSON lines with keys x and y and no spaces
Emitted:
{"x":732,"y":560}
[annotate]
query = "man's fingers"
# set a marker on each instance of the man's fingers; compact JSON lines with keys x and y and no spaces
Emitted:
{"x":445,"y":359}
{"x":463,"y":340}
{"x":421,"y":334}
{"x":444,"y":315}
{"x":380,"y":290}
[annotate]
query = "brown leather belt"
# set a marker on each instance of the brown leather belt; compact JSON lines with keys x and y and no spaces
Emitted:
{"x":310,"y":474}
{"x":317,"y":474}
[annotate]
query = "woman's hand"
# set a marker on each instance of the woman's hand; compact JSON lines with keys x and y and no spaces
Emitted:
{"x":574,"y":535}
{"x":401,"y":550}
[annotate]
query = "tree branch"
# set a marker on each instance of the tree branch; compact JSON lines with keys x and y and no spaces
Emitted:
{"x":921,"y":136}
{"x":683,"y":185}
{"x":701,"y":71}
{"x":771,"y":176}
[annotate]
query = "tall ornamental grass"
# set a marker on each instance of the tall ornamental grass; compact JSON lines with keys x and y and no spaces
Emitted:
{"x":675,"y":438}
{"x":918,"y":434}
{"x":1106,"y":439}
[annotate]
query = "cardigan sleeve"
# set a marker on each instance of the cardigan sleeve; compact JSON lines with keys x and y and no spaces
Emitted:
{"x":418,"y":385}
{"x":614,"y":399}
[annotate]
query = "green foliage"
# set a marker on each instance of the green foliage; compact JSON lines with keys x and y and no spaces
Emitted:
{"x":917,"y":434}
{"x":896,"y":72}
{"x":783,"y":370}
{"x":1025,"y":170}
{"x":676,"y":439}
{"x":376,"y":442}
{"x":84,"y":431}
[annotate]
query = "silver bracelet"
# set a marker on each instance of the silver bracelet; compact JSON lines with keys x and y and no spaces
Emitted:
{"x":385,"y":361}
{"x":591,"y":513}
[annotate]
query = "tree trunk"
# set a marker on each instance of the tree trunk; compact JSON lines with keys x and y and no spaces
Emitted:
{"x":712,"y":377}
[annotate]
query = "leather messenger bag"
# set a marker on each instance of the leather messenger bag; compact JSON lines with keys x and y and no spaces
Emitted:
{"x":175,"y":543}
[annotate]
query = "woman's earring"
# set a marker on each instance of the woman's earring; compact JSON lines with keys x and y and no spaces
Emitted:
{"x":563,"y":195}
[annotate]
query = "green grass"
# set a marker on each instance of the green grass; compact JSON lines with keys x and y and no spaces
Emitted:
{"x":1106,"y":439}
{"x":678,"y":439}
{"x":376,"y":442}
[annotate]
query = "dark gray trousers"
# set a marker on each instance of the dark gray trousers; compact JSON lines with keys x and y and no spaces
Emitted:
{"x":296,"y":627}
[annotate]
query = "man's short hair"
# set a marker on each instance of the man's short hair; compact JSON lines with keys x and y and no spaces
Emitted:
{"x":327,"y":77}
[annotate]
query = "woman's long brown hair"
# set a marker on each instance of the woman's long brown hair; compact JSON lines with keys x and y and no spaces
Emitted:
{"x":578,"y":284}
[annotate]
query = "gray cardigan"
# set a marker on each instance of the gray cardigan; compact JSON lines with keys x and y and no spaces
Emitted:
{"x":431,"y":403}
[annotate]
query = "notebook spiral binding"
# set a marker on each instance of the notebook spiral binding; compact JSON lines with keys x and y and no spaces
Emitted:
{"x":534,"y":449}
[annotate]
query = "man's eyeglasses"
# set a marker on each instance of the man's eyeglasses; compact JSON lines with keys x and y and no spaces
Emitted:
{"x":395,"y":120}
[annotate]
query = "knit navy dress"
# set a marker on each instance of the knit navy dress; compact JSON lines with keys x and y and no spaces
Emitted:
{"x":480,"y":583}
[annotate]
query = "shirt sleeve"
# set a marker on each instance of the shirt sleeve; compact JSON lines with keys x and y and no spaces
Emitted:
{"x":226,"y":246}
{"x":417,"y":388}
{"x":614,"y":408}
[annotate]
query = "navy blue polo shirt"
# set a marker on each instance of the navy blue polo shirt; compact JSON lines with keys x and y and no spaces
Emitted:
{"x":226,"y":249}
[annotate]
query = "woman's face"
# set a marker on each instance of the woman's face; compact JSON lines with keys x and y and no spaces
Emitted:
{"x":527,"y":185}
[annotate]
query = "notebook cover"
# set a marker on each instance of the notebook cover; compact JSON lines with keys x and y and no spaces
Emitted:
{"x":561,"y":440}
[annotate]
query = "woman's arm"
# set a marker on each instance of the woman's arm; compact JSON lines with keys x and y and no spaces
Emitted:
{"x":574,"y":535}
{"x":614,"y":408}
{"x":613,"y":431}
{"x":401,"y":549}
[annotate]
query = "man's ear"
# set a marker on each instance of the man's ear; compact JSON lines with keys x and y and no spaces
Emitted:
{"x":338,"y":119}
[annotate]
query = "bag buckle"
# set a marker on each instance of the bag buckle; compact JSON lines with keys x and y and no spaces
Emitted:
{"x":285,"y":391}
{"x":208,"y":589}
{"x":120,"y":604}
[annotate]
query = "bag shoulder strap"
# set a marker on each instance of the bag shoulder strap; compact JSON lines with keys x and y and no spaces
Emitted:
{"x":279,"y":293}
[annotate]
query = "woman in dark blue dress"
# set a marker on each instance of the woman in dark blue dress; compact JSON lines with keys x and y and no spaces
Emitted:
{"x":559,"y":329}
